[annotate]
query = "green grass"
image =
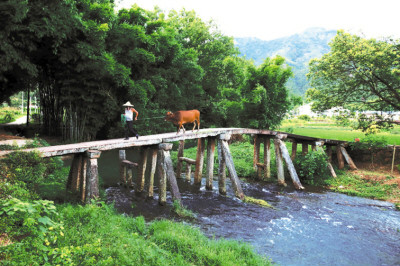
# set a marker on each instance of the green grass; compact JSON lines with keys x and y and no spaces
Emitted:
{"x":97,"y":235}
{"x":328,"y":130}
{"x":354,"y":185}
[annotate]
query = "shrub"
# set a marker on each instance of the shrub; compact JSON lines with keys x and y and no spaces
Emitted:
{"x":304,"y":117}
{"x":27,"y":166}
{"x":370,"y":142}
{"x":313,"y":167}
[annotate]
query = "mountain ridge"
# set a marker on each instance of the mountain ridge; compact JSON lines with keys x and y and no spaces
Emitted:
{"x":298,"y":49}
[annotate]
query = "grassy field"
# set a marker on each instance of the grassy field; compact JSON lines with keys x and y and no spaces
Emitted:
{"x":328,"y":130}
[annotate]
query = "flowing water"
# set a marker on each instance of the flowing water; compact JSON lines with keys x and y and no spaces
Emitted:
{"x":311,"y":227}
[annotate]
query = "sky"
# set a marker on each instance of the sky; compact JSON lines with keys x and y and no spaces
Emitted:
{"x":272,"y":19}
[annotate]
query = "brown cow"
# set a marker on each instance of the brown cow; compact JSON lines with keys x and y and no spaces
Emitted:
{"x":180,"y":118}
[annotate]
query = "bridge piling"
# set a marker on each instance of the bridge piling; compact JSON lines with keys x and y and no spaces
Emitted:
{"x":166,"y":172}
{"x":279,"y":163}
{"x":180,"y":154}
{"x":210,"y":162}
{"x":221,"y":169}
{"x":320,"y":146}
{"x":92,"y":175}
{"x":150,"y":189}
{"x":199,"y":161}
{"x":267,"y":157}
{"x":142,"y":168}
{"x":347,"y":157}
{"x":230,"y":165}
{"x":294,"y":149}
{"x":292,"y":171}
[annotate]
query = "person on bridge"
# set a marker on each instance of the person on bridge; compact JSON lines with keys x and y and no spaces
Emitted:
{"x":129,"y":110}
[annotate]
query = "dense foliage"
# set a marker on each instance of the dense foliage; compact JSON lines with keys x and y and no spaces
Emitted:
{"x":358,"y":74}
{"x":85,"y":59}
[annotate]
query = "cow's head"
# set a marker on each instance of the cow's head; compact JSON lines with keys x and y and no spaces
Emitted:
{"x":168,"y":116}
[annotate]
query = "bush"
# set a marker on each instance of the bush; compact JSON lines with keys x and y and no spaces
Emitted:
{"x":313,"y":167}
{"x":304,"y":117}
{"x":370,"y":142}
{"x":23,"y":175}
{"x":8,"y":114}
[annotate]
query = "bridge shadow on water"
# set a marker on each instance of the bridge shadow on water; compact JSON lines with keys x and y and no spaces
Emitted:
{"x":311,"y":227}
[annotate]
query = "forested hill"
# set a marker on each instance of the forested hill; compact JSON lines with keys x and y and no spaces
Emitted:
{"x":297,"y":49}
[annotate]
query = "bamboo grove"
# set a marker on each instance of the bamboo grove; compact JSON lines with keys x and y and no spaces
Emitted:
{"x":85,"y":59}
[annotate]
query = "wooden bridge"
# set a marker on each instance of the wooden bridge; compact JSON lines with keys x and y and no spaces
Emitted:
{"x":83,"y":175}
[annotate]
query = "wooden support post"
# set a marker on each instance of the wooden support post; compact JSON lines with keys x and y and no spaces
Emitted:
{"x":188,"y":171}
{"x":231,"y":167}
{"x":199,"y":161}
{"x":348,"y":158}
{"x":180,"y":154}
{"x":289,"y":164}
{"x":267,"y":157}
{"x":75,"y":174}
{"x":304,"y":149}
{"x":313,"y":147}
{"x":279,"y":163}
{"x":221,"y":170}
{"x":92,"y":183}
{"x":256,"y":155}
{"x":210,"y":163}
{"x":166,"y":172}
{"x":294,"y":150}
{"x":83,"y":179}
{"x":330,"y":167}
{"x":142,"y":169}
{"x":339,"y":157}
{"x":122,"y":168}
{"x":150,"y":190}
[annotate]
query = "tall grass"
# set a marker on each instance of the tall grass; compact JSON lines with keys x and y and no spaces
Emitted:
{"x":97,"y":235}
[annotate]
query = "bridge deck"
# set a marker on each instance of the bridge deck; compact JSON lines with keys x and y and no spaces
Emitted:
{"x":111,"y":144}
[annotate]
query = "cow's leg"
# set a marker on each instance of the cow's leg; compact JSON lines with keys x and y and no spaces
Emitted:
{"x":198,"y":125}
{"x":194,"y":125}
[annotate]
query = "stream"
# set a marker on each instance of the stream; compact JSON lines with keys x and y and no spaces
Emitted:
{"x":310,"y":227}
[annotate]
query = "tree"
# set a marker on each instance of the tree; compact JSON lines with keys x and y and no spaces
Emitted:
{"x":262,"y":98}
{"x":357,"y":74}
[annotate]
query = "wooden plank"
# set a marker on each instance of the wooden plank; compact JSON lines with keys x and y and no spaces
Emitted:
{"x":289,"y":164}
{"x":156,"y":139}
{"x":279,"y":163}
{"x":187,"y":160}
{"x":210,"y":163}
{"x":129,"y":164}
{"x":199,"y":161}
